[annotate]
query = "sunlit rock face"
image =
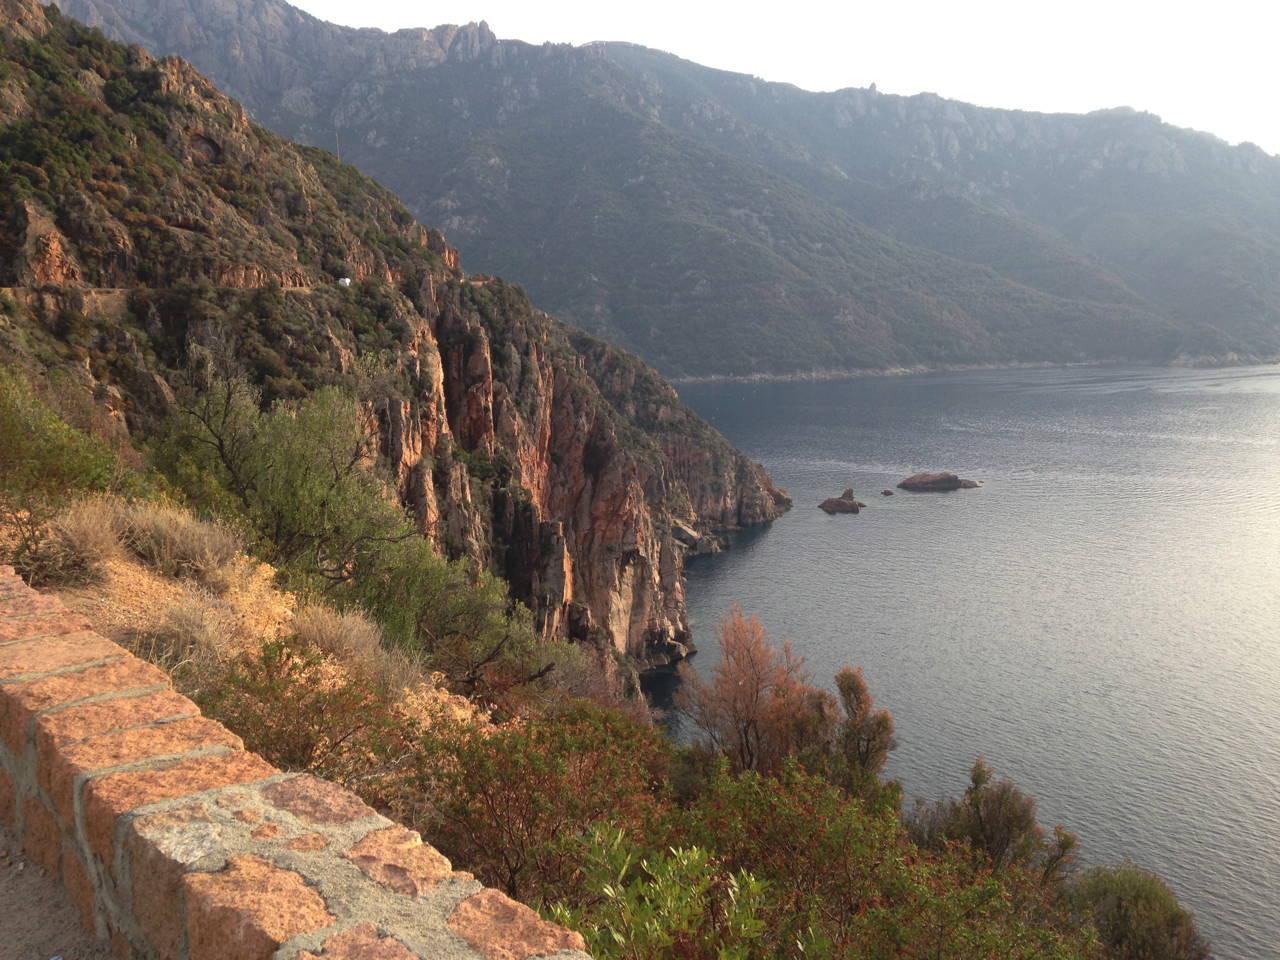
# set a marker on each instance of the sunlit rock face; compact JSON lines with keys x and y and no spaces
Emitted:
{"x":601,"y":470}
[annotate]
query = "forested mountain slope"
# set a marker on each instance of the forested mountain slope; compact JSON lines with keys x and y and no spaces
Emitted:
{"x":719,"y":224}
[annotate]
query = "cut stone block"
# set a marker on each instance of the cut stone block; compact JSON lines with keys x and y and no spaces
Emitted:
{"x":248,"y":910}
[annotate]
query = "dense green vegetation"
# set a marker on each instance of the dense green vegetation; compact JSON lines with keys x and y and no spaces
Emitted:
{"x":300,"y":478}
{"x":105,"y":146}
{"x":44,"y":464}
{"x":718,"y":224}
{"x":1137,"y":914}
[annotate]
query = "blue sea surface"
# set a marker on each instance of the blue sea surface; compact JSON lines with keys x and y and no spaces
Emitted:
{"x":1100,"y":620}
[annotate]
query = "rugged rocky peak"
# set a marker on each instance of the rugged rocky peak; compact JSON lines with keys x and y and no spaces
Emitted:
{"x":44,"y":256}
{"x":451,"y":42}
{"x":22,"y":17}
{"x":183,"y":82}
{"x":591,"y":514}
{"x":171,"y":225}
{"x":228,"y":36}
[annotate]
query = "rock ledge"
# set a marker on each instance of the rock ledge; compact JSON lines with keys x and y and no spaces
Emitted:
{"x":845,"y":503}
{"x":937,"y":482}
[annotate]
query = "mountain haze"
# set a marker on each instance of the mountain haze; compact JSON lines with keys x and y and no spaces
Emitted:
{"x":719,"y":224}
{"x":148,"y":224}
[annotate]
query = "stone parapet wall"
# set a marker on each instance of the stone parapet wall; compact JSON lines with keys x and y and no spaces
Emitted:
{"x":178,"y":844}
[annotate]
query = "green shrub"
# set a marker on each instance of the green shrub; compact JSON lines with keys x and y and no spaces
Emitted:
{"x":844,"y":879}
{"x":40,"y":455}
{"x":297,"y":708}
{"x":1137,"y":915}
{"x":461,"y":624}
{"x":44,"y":464}
{"x":999,"y":821}
{"x":298,"y":473}
{"x":310,"y":489}
{"x":673,"y":905}
{"x":827,"y":859}
{"x":303,"y":474}
{"x":509,"y":803}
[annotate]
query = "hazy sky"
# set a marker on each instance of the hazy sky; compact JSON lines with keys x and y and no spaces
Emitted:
{"x":1211,"y":65}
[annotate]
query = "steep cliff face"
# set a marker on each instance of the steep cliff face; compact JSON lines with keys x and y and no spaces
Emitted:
{"x":592,"y":502}
{"x":148,"y":216}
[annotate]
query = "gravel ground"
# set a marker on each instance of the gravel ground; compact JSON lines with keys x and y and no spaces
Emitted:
{"x":37,"y":919}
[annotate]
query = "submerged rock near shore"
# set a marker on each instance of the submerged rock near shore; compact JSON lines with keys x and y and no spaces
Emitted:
{"x":937,"y":482}
{"x":845,"y":503}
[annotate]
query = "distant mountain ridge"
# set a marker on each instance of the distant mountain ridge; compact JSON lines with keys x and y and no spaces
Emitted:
{"x":721,"y":225}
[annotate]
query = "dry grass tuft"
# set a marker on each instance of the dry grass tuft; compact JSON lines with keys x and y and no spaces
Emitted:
{"x":75,"y":547}
{"x":351,"y":636}
{"x":150,"y":613}
{"x":175,"y":543}
{"x":187,"y":641}
{"x":355,"y":641}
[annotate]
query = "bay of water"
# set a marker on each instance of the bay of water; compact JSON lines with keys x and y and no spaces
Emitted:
{"x":1101,"y":619}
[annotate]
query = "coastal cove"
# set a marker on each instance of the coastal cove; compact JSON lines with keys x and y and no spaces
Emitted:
{"x":1100,"y":620}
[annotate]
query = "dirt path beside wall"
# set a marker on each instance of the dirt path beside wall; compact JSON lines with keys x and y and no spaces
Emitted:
{"x":37,"y":919}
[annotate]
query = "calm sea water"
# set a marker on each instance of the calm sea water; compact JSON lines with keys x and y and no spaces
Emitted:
{"x":1101,"y":619}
